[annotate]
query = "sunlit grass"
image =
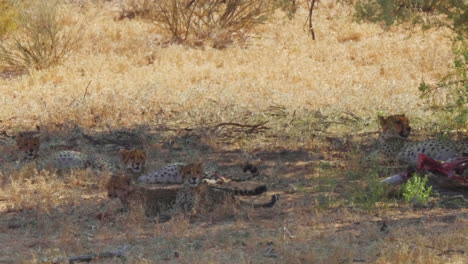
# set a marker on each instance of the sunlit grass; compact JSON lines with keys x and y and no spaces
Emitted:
{"x":313,"y":97}
{"x":111,"y":81}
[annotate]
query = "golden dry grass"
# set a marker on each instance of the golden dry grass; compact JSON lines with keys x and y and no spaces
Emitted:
{"x":125,"y":75}
{"x":351,"y":67}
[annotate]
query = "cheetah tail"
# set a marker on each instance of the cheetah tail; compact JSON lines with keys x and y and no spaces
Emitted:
{"x":247,"y":188}
{"x":271,"y":203}
{"x":251,"y":192}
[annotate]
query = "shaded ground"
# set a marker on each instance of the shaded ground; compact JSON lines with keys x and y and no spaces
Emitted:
{"x":314,"y":222}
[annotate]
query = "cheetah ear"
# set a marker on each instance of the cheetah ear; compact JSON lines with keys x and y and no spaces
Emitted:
{"x":123,"y":153}
{"x":19,"y":138}
{"x":382,"y":120}
{"x":197,"y":161}
{"x":200,"y":166}
{"x":112,"y":179}
{"x":183,"y":169}
{"x":36,"y":139}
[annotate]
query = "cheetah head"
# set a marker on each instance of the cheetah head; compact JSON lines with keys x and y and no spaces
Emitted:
{"x":133,"y":159}
{"x":192,"y":173}
{"x":119,"y":186}
{"x":395,"y":126}
{"x":28,"y":143}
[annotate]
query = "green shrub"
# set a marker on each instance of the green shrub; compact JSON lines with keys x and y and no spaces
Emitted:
{"x":392,"y":11}
{"x":416,"y":190}
{"x":41,"y":39}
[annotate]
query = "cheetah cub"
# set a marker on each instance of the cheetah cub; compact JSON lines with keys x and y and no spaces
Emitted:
{"x":133,"y":160}
{"x":178,"y":173}
{"x":189,"y":197}
{"x":28,"y":145}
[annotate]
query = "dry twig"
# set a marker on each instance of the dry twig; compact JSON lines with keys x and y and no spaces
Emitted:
{"x":309,"y":18}
{"x":87,"y":258}
{"x":250,"y":128}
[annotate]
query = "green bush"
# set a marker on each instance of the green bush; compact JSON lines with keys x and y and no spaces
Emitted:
{"x":41,"y":39}
{"x":416,"y":190}
{"x":393,"y":11}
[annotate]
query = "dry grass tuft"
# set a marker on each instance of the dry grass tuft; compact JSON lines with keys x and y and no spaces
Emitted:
{"x":44,"y":190}
{"x":109,"y":83}
{"x":43,"y":37}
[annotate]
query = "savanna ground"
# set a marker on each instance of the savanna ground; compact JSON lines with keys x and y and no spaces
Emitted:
{"x":315,"y":103}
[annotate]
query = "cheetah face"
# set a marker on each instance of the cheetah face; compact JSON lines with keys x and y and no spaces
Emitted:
{"x":192,"y":173}
{"x":395,"y":126}
{"x":28,"y":143}
{"x":118,"y":187}
{"x":133,"y":159}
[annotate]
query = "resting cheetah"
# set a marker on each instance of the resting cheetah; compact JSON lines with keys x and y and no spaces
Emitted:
{"x":28,"y":144}
{"x":395,"y":146}
{"x":133,"y":159}
{"x":167,"y":199}
{"x":175,"y":173}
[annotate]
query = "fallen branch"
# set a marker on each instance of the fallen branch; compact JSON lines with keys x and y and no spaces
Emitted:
{"x":446,"y":252}
{"x":434,"y":87}
{"x":248,"y":128}
{"x":122,"y":138}
{"x":251,"y":129}
{"x":87,"y":258}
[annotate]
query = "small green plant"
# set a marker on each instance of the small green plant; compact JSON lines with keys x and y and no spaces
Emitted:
{"x":416,"y":190}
